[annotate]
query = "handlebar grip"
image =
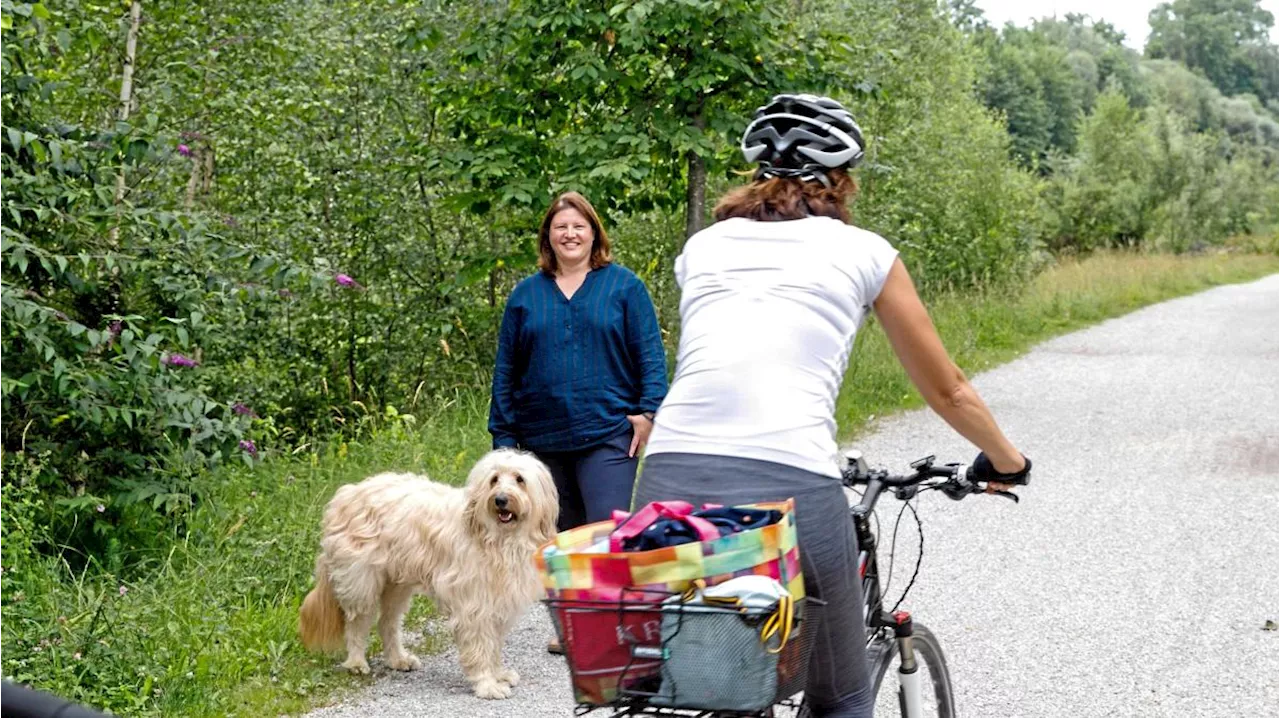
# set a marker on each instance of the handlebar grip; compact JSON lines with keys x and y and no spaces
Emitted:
{"x":982,"y":470}
{"x":21,"y":701}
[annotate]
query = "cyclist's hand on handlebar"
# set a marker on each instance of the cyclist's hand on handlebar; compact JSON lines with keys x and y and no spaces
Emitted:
{"x":982,"y":470}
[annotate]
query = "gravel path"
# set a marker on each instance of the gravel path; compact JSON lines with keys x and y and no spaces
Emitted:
{"x":1134,"y":579}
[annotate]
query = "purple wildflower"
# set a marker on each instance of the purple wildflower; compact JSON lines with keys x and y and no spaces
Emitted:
{"x":243,"y":410}
{"x":124,"y":590}
{"x":347,"y":281}
{"x":100,"y":508}
{"x":184,"y":150}
{"x":115,"y":328}
{"x":180,"y":360}
{"x":249,"y":447}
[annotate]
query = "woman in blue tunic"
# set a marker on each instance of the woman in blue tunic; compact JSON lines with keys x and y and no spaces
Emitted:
{"x":581,"y":368}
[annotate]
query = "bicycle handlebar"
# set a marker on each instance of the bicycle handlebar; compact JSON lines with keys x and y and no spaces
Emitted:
{"x":957,"y":480}
{"x":21,"y":701}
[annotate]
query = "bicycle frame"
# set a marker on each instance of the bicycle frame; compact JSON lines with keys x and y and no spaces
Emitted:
{"x":875,"y":618}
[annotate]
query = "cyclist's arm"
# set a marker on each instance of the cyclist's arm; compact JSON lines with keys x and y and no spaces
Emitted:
{"x":911,"y":334}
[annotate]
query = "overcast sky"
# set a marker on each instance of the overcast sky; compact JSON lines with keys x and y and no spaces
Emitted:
{"x":1129,"y":16}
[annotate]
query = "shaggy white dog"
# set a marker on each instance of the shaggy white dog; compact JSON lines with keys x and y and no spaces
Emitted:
{"x":471,"y":549}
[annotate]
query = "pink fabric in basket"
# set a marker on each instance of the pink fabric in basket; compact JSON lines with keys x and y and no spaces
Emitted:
{"x":631,"y":525}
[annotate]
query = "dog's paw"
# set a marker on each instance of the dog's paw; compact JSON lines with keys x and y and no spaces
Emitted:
{"x":491,"y":689}
{"x":508,"y":676}
{"x":404,"y":662}
{"x":358,"y":666}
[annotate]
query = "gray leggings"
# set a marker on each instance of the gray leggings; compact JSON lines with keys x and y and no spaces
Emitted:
{"x":838,"y":684}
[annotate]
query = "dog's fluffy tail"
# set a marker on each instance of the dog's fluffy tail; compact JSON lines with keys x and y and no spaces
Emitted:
{"x":320,"y":622}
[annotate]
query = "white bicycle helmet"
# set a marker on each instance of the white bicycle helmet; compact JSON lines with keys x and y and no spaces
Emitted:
{"x":802,"y":136}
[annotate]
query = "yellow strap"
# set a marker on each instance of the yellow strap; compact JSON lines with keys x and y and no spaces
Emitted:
{"x":700,"y":586}
{"x":691,"y":592}
{"x":779,"y":623}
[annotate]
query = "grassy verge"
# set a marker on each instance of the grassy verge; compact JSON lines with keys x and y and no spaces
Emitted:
{"x":205,"y":626}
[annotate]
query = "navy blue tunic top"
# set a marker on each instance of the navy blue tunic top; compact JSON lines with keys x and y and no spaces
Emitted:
{"x":569,"y":371}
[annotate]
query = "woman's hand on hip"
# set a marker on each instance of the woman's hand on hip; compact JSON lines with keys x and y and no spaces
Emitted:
{"x":641,"y":425}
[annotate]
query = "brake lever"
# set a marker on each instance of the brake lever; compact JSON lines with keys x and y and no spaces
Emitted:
{"x":960,"y":485}
{"x":1005,"y":494}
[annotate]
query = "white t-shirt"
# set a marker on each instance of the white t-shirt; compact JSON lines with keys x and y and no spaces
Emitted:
{"x":768,"y":313}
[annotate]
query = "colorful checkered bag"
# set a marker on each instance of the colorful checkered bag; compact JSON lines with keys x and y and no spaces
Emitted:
{"x":581,"y":574}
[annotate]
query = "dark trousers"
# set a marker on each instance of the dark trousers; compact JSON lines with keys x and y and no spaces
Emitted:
{"x":592,"y":482}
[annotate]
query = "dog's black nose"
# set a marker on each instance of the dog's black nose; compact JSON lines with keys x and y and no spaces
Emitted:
{"x":500,"y":501}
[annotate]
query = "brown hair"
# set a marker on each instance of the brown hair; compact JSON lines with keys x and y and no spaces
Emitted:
{"x":777,"y":199}
{"x":601,"y":253}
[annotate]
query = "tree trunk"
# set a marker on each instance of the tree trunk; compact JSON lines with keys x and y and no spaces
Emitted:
{"x":126,"y":97}
{"x":197,"y":167}
{"x":493,"y":271}
{"x":210,"y":155}
{"x":696,"y":191}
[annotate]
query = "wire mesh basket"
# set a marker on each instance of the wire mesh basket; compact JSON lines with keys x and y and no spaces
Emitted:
{"x":642,"y":653}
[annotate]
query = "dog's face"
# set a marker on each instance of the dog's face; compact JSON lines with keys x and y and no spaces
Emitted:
{"x":511,"y":492}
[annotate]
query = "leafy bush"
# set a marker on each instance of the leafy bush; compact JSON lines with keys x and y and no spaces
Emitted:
{"x":105,"y":305}
{"x":1146,"y":177}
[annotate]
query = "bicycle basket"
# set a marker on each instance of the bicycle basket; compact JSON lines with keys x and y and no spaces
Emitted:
{"x":685,"y":656}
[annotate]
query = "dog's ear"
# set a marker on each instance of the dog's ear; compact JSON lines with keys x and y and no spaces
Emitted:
{"x":549,"y":502}
{"x":472,"y":510}
{"x":482,"y":469}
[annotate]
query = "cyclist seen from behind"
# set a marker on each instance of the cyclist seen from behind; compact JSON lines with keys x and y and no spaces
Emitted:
{"x":772,"y":295}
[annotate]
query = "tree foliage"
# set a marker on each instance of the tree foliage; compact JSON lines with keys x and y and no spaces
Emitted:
{"x":1226,"y":40}
{"x":324,"y":205}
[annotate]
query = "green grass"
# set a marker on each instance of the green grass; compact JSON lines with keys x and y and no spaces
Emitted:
{"x":206,"y":626}
{"x":210,"y":628}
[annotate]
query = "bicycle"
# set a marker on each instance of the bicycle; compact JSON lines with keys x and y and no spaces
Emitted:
{"x":894,"y":634}
{"x":924,"y":682}
{"x":23,"y":701}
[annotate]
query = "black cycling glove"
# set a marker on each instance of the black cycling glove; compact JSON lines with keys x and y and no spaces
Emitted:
{"x":982,"y":470}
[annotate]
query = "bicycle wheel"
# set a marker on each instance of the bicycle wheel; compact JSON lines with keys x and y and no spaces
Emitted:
{"x":937,"y":700}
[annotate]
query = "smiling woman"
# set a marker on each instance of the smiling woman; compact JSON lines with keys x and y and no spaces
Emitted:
{"x":581,"y":367}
